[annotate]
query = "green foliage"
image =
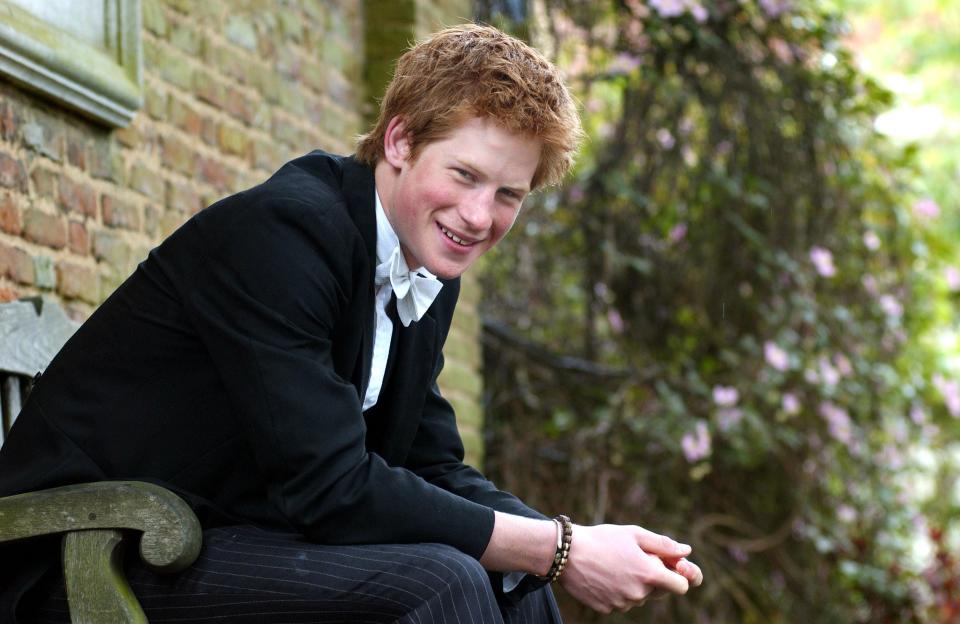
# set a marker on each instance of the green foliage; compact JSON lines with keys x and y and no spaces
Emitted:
{"x":738,"y":292}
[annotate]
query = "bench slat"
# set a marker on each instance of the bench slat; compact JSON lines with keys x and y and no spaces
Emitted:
{"x":27,"y":341}
{"x":11,"y":404}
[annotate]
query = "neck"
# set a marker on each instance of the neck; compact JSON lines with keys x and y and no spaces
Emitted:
{"x":384,"y":177}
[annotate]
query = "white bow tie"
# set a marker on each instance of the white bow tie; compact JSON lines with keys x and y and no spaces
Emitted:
{"x":415,"y":292}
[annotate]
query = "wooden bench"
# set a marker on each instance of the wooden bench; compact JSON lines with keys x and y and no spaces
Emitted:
{"x":92,"y":517}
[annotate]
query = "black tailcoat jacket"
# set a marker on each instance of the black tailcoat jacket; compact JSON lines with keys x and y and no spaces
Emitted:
{"x":231,"y":368}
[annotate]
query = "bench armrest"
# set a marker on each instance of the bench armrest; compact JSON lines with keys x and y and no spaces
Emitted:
{"x":171,"y":532}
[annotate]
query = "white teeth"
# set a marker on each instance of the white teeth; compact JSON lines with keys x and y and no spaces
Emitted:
{"x":452,"y":236}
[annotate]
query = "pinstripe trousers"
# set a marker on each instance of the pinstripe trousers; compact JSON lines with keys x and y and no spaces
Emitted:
{"x":249,"y":575}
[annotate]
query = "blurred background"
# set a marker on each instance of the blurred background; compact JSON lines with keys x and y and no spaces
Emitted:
{"x":736,"y":324}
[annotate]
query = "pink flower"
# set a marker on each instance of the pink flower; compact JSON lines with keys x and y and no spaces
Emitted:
{"x":665,"y":138}
{"x":950,"y":391}
{"x":952,"y":275}
{"x":696,"y":445}
{"x":781,"y":50}
{"x":725,"y":396}
{"x":823,"y":261}
{"x":699,"y":13}
{"x":846,"y":513}
{"x":891,"y":457}
{"x":790,"y":403}
{"x":838,"y":422}
{"x":926,"y":209}
{"x":870,"y":285}
{"x":677,"y":233}
{"x":738,"y":554}
{"x":844,"y":367}
{"x":729,"y":418}
{"x":616,"y":321}
{"x":624,"y":63}
{"x":828,"y":373}
{"x":668,"y":8}
{"x":917,"y":415}
{"x":775,"y":8}
{"x":576,"y":193}
{"x":775,"y":356}
{"x":891,"y":307}
{"x":871,"y":240}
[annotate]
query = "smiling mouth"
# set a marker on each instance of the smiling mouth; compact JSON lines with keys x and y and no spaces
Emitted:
{"x":454,"y":237}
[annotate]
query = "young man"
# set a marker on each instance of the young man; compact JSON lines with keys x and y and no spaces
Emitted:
{"x":275,"y":362}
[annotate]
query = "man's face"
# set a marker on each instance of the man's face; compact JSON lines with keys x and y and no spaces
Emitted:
{"x":461,"y":194}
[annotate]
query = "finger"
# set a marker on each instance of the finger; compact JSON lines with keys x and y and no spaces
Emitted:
{"x":670,"y":581}
{"x":690,"y":571}
{"x":661,"y":545}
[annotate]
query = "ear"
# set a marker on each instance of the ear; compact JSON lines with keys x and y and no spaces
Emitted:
{"x":396,"y":143}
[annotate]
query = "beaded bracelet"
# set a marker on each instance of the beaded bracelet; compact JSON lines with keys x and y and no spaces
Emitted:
{"x":564,"y":538}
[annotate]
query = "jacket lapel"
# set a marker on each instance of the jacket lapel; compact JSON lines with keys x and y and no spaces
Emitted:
{"x":402,"y":398}
{"x":358,"y":188}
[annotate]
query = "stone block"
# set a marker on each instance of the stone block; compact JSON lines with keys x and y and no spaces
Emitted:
{"x":44,"y":274}
{"x":77,"y":150}
{"x":184,"y":116}
{"x":129,"y":136}
{"x":284,"y":131}
{"x":240,"y":31}
{"x":177,"y":154}
{"x":77,"y":281}
{"x":288,"y":63}
{"x":44,"y":182}
{"x":209,"y":89}
{"x":10,"y":120}
{"x":105,"y":163}
{"x":315,"y":76}
{"x":169,"y":64}
{"x":44,"y":228}
{"x":109,"y":247}
{"x":151,"y":219}
{"x":233,"y":140}
{"x":120,"y":213}
{"x":11,"y":219}
{"x":266,"y":155}
{"x":183,"y":199}
{"x":156,"y":100}
{"x":16,"y":264}
{"x":184,"y":38}
{"x":169,"y":222}
{"x":45,"y":137}
{"x":78,"y":240}
{"x":154,"y":18}
{"x":217,"y":174}
{"x":291,"y":24}
{"x":145,"y":180}
{"x":239,"y":105}
{"x":12,"y":173}
{"x":76,"y":197}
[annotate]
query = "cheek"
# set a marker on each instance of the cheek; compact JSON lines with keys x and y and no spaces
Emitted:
{"x":502,"y":224}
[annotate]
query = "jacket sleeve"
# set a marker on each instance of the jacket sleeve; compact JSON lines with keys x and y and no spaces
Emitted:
{"x":276,"y":276}
{"x":437,"y":451}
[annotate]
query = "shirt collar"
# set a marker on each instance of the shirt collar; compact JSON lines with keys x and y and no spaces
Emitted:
{"x":387,"y":239}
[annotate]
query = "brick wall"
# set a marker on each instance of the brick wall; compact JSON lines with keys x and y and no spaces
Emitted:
{"x":232,"y":89}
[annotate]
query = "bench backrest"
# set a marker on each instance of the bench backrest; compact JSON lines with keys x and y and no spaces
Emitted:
{"x":31,"y":333}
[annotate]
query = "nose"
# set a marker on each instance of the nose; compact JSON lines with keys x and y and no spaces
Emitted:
{"x":477,"y":211}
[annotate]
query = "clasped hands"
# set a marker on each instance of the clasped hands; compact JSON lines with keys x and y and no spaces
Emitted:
{"x":617,"y":567}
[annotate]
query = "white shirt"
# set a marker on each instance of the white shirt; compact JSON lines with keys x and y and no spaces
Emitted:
{"x":387,"y":241}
